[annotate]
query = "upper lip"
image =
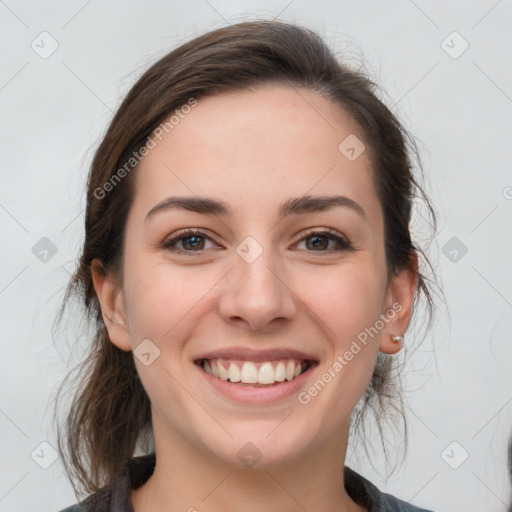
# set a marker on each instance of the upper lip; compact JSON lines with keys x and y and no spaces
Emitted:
{"x":249,"y":354}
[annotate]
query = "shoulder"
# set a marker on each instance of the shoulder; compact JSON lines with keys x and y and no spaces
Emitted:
{"x":116,"y":496}
{"x":108,"y":499}
{"x":101,"y":501}
{"x":98,"y":502}
{"x":363,"y":492}
{"x":390,"y":502}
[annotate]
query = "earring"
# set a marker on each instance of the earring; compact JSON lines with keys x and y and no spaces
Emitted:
{"x":397,"y":339}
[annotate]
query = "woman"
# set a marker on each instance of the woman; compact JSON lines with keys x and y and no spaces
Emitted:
{"x":248,"y":264}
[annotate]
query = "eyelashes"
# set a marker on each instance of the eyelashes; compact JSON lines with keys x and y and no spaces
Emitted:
{"x":191,"y":241}
{"x":328,"y":235}
{"x":187,"y":234}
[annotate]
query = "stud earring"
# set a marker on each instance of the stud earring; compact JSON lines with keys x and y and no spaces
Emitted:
{"x":397,"y":339}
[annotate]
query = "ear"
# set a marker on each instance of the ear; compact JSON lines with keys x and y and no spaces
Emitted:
{"x":398,"y":305}
{"x":113,"y":308}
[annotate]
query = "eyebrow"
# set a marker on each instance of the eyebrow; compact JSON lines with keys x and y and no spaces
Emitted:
{"x":293,"y":206}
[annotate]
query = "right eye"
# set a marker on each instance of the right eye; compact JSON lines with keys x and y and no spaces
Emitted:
{"x":187,"y":241}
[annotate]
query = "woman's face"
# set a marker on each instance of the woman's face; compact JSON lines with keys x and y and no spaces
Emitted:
{"x":285,"y":266}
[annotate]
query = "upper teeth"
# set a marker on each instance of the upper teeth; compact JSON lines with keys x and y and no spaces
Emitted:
{"x":252,"y":373}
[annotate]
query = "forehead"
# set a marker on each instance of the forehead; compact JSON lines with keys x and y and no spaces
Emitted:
{"x":256,"y":144}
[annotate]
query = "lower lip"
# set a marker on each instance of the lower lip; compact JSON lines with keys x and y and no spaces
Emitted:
{"x":255,"y":395}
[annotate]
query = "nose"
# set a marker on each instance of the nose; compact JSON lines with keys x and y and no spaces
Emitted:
{"x":256,"y":295}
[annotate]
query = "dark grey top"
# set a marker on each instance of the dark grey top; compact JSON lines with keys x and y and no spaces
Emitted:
{"x":116,"y":497}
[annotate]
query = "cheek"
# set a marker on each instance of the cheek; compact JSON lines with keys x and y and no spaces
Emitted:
{"x":160,"y":298}
{"x":347,"y":299}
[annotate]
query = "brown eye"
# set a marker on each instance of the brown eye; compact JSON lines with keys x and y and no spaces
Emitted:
{"x":325,"y":241}
{"x":317,"y":242}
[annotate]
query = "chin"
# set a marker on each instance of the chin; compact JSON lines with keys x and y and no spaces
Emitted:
{"x":259,"y":450}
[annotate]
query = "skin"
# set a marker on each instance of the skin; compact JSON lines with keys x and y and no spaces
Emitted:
{"x":253,"y":150}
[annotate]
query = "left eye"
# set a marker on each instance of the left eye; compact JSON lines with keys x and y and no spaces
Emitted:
{"x":323,"y":241}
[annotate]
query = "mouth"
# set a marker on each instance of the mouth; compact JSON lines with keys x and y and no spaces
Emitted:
{"x":256,"y":376}
{"x":255,"y":373}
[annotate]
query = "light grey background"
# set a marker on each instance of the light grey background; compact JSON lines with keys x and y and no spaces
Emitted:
{"x":55,"y":109}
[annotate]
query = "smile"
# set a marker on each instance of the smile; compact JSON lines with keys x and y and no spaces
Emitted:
{"x":256,"y":377}
{"x":264,"y":373}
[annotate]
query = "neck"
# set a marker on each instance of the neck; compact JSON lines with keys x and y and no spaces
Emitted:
{"x":188,"y":479}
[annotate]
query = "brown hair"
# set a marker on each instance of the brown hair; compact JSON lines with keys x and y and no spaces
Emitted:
{"x":110,"y":417}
